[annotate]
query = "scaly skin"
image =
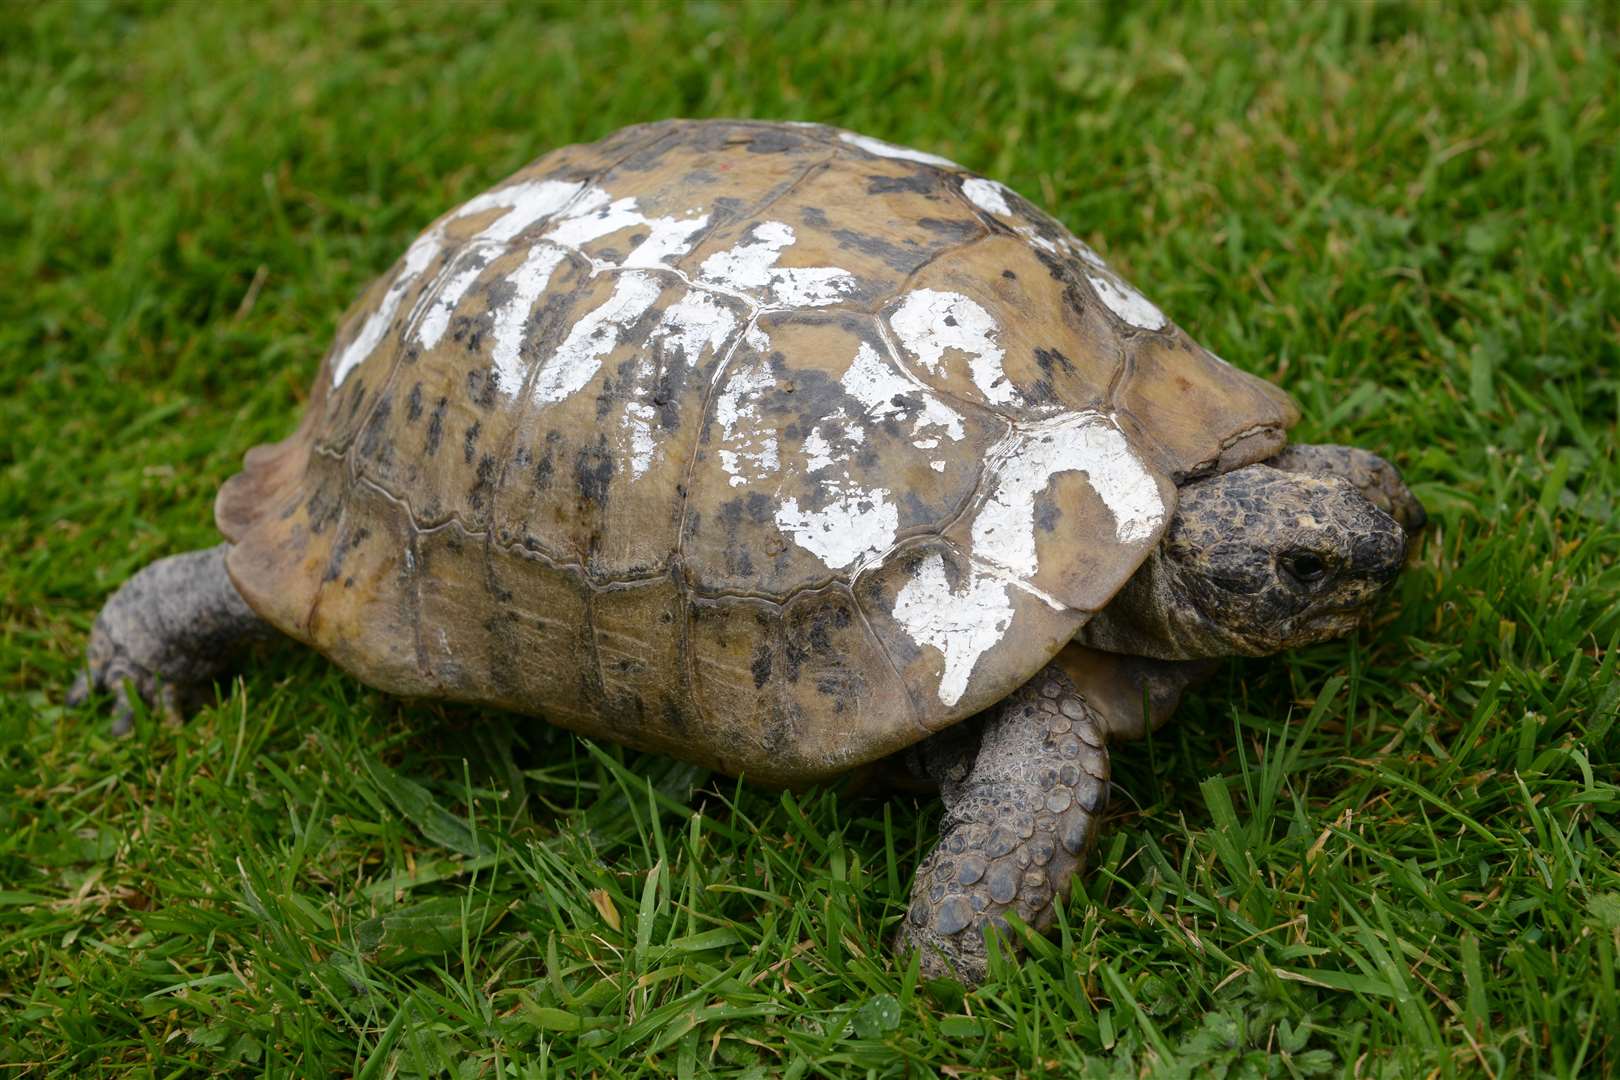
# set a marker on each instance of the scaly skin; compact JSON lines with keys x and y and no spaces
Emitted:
{"x":1023,"y":801}
{"x":1378,"y":481}
{"x":1221,"y":582}
{"x":167,"y":632}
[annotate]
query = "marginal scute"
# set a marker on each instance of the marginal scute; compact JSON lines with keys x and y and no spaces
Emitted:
{"x":769,"y":446}
{"x":637,"y":632}
{"x":1193,"y":413}
{"x":959,"y":633}
{"x":323,"y":567}
{"x":537,"y":632}
{"x":791,"y":692}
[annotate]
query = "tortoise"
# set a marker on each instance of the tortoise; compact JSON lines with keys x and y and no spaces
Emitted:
{"x":785,"y":451}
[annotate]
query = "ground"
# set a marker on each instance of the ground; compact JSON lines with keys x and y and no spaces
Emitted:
{"x":1388,"y":856}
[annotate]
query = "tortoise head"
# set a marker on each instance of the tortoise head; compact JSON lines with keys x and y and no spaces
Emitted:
{"x":1255,"y":561}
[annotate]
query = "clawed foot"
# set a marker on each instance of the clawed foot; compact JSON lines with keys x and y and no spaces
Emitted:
{"x":110,"y":669}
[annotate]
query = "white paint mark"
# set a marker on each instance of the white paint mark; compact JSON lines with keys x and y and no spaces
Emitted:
{"x":889,"y":150}
{"x":987,"y":195}
{"x":417,"y":257}
{"x":594,"y":217}
{"x":833,"y":440}
{"x":1123,"y":300}
{"x":734,"y":403}
{"x":691,"y":326}
{"x":929,"y":322}
{"x":526,"y":202}
{"x":1022,"y":466}
{"x":887,"y":393}
{"x":437,"y":318}
{"x":749,"y":449}
{"x":1028,"y":233}
{"x":818,"y":452}
{"x":963,"y":624}
{"x":750,"y":267}
{"x":668,"y":238}
{"x":853,"y":524}
{"x":511,"y":319}
{"x":1082,"y":249}
{"x":640,"y":419}
{"x":577,"y":359}
{"x":1115,"y":292}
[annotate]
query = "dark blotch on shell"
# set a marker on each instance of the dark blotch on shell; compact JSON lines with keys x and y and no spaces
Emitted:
{"x":760,"y":667}
{"x":435,"y":431}
{"x":921,"y":182}
{"x":593,"y":472}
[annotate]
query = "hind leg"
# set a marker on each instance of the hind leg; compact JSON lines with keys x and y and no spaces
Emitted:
{"x":167,"y":633}
{"x":1023,"y":799}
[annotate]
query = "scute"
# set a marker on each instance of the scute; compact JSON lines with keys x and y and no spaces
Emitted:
{"x":819,"y":454}
{"x":608,"y":421}
{"x":768,"y":446}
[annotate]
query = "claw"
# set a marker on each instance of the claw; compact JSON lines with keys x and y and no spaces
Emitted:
{"x":79,"y":692}
{"x":123,"y":721}
{"x":121,"y":686}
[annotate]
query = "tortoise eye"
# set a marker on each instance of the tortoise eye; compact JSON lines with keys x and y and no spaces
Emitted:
{"x":1305,"y":567}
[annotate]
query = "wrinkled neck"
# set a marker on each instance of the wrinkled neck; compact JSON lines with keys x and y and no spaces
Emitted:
{"x":1154,"y":615}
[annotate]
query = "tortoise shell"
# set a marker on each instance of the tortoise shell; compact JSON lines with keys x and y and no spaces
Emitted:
{"x":769,"y":446}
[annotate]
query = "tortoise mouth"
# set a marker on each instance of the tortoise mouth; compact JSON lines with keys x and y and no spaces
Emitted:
{"x":1263,"y":622}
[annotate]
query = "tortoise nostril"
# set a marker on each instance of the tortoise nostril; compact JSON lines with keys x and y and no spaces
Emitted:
{"x":1379,"y":556}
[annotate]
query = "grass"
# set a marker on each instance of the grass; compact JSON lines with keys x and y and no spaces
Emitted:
{"x":1390,"y":856}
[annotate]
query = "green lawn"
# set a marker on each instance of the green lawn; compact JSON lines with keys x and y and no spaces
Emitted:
{"x":1390,"y":856}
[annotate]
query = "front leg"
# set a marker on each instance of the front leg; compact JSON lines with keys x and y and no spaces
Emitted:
{"x":1022,"y":803}
{"x":1131,"y":695}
